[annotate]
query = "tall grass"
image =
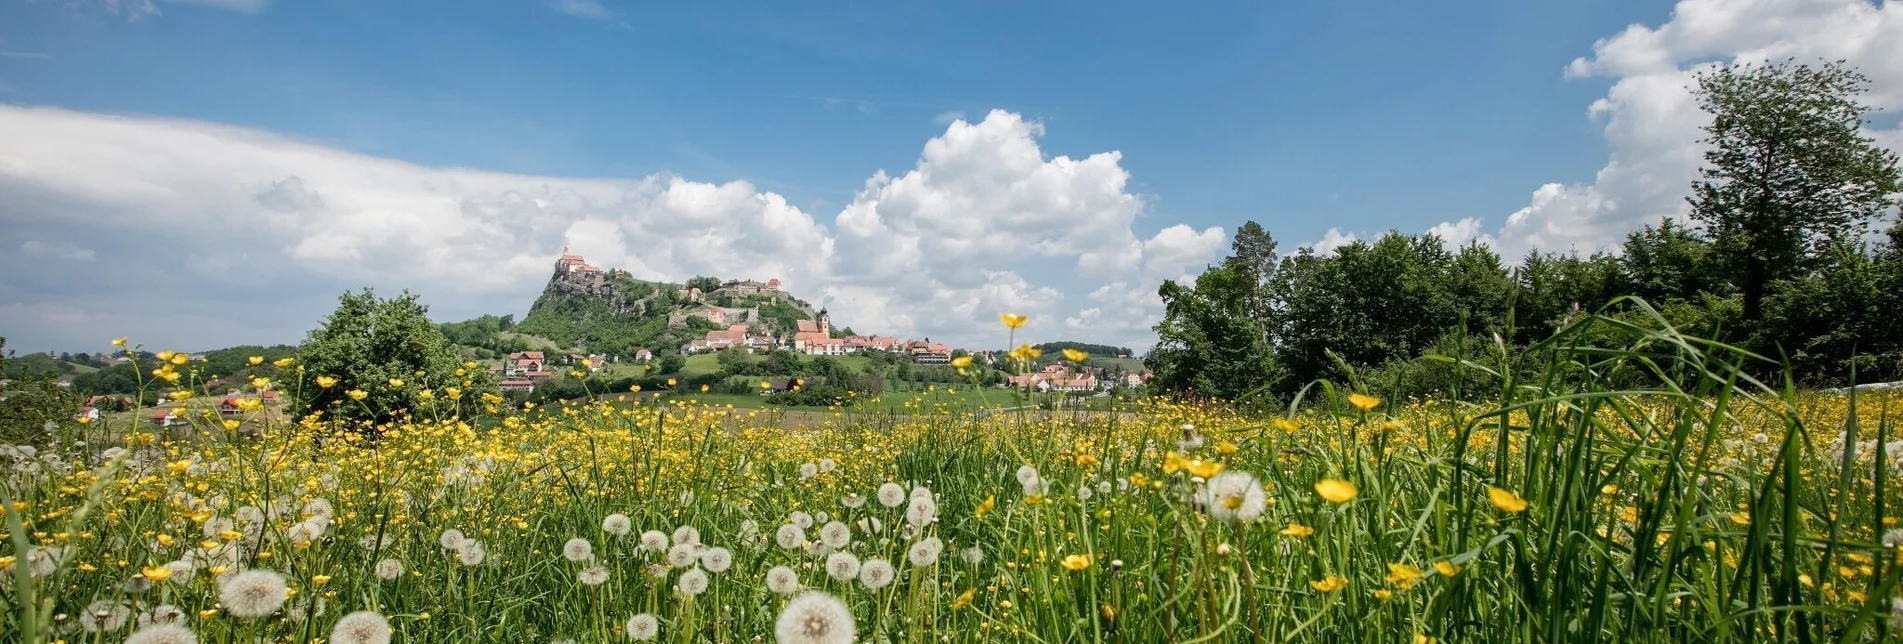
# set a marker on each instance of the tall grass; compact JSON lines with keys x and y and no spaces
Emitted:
{"x":1710,"y":506}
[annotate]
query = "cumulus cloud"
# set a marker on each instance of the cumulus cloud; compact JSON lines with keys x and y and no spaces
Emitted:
{"x":1652,"y":122}
{"x":1332,"y":240}
{"x":218,"y":234}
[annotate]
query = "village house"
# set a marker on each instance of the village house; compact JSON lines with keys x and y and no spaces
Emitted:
{"x":643,"y":355}
{"x":1056,"y":377}
{"x":733,"y":336}
{"x":815,"y":337}
{"x":517,"y":384}
{"x":928,"y":352}
{"x":166,"y":418}
{"x":522,"y":363}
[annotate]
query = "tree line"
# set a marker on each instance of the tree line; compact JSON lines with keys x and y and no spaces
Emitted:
{"x":1776,"y":256}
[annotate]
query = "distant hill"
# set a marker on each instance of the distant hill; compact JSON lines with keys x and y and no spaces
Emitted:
{"x":1097,"y":350}
{"x":584,"y":308}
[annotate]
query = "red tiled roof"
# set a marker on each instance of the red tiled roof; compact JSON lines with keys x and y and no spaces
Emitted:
{"x":808,"y":326}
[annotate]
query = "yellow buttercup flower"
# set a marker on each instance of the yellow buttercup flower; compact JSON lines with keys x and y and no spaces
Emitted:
{"x":1328,"y":584}
{"x":1074,"y":355}
{"x":1403,"y":575}
{"x":1363,"y":401}
{"x":1297,"y":530}
{"x":964,"y":599}
{"x":1075,"y":563}
{"x":396,"y":382}
{"x":283,"y":362}
{"x":326,"y":381}
{"x":1446,"y":568}
{"x":156,"y":573}
{"x":1205,"y":469}
{"x":255,"y":360}
{"x":961,"y":361}
{"x":1287,"y":424}
{"x":1336,"y":490}
{"x":1506,"y":500}
{"x":1012,"y":320}
{"x":985,"y":507}
{"x":119,"y":341}
{"x":357,"y":394}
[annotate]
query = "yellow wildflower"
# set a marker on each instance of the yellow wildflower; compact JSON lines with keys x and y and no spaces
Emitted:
{"x":1336,"y":490}
{"x":1363,"y":401}
{"x":1506,"y":500}
{"x":1075,"y":563}
{"x":1012,"y":320}
{"x":1328,"y":584}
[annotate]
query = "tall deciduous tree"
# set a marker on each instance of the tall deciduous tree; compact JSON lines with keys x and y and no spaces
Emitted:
{"x":388,"y":350}
{"x":1789,"y":171}
{"x":1209,"y":343}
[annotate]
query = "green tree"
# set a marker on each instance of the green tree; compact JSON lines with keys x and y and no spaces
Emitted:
{"x":1209,"y":342}
{"x":370,"y":345}
{"x":1789,"y":170}
{"x":1669,"y":262}
{"x":704,"y":283}
{"x":673,"y":363}
{"x":32,"y":409}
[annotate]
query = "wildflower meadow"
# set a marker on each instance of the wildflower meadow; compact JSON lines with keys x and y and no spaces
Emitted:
{"x":1709,"y":506}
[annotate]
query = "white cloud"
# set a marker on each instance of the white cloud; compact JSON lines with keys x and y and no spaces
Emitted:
{"x":584,"y":9}
{"x":947,"y":118}
{"x":1332,"y":240}
{"x":57,"y":250}
{"x":1457,"y":234}
{"x":1652,"y":122}
{"x":258,"y":232}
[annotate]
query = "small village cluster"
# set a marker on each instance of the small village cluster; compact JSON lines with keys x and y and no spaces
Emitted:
{"x":525,"y":369}
{"x":815,"y":338}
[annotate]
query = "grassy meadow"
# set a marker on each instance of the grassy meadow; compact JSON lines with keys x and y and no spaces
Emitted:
{"x":1569,"y":507}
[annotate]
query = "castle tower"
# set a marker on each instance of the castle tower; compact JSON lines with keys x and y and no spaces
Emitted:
{"x":825,"y":323}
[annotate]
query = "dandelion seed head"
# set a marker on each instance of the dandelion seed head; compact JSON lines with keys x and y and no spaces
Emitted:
{"x":253,"y":593}
{"x":842,"y":566}
{"x":167,"y":633}
{"x":716,"y":560}
{"x":815,"y":618}
{"x":617,"y":524}
{"x":654,"y":541}
{"x":782,"y":580}
{"x":876,"y":573}
{"x":361,"y":627}
{"x":578,"y":550}
{"x":643,"y":627}
{"x":925,"y":552}
{"x":790,"y":536}
{"x":891,"y":495}
{"x":693,"y":582}
{"x":389,"y":569}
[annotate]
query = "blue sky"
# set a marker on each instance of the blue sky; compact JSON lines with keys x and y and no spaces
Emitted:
{"x":1320,"y":120}
{"x":1393,"y":114}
